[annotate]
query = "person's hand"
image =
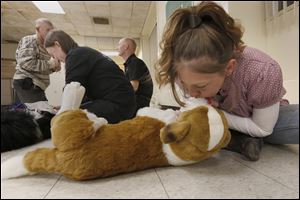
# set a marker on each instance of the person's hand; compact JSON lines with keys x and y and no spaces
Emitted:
{"x":57,"y":68}
{"x":56,"y":108}
{"x":55,"y":65}
{"x":211,"y":101}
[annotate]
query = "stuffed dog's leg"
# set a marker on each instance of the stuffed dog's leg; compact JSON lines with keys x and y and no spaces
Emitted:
{"x":72,"y":97}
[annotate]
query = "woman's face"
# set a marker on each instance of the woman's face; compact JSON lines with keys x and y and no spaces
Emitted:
{"x":56,"y":52}
{"x":202,"y":85}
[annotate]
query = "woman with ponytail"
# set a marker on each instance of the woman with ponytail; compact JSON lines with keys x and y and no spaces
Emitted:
{"x":203,"y":53}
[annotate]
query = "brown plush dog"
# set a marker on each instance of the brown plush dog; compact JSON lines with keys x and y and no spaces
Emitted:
{"x":86,"y":147}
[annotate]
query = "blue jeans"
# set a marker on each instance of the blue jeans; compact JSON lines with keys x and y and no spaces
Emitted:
{"x":286,"y":130}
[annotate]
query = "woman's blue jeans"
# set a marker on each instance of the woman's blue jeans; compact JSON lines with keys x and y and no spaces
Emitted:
{"x":286,"y":130}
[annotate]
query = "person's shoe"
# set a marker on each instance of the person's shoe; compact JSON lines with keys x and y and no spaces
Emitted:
{"x":249,"y":147}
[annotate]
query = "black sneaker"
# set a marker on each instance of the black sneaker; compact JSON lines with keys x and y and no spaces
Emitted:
{"x":249,"y":147}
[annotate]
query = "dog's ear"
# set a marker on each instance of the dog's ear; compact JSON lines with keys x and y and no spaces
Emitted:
{"x":174,"y":132}
{"x":71,"y":129}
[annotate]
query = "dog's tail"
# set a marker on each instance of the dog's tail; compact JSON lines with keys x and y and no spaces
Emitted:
{"x":20,"y":129}
{"x":14,"y":167}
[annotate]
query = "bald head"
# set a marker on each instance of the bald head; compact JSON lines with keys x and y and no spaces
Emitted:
{"x":41,"y":21}
{"x":42,"y":27}
{"x":130,"y":42}
{"x":126,"y":47}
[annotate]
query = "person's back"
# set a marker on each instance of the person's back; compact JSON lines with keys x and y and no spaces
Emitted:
{"x":136,"y":69}
{"x":103,"y":80}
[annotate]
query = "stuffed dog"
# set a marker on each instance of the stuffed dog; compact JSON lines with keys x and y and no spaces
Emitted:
{"x":86,"y":147}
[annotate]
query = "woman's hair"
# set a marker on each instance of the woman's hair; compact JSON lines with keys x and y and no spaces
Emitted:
{"x":204,"y":33}
{"x":65,"y":41}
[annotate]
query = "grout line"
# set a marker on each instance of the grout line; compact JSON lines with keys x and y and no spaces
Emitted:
{"x":162,"y":184}
{"x":52,"y":186}
{"x":264,"y":174}
{"x":286,"y":148}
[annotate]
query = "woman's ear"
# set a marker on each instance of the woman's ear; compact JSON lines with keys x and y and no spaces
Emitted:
{"x":230,"y":67}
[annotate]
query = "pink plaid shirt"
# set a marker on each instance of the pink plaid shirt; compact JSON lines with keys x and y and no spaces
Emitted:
{"x":255,"y":83}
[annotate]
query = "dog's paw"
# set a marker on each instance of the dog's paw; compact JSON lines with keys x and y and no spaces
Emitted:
{"x":98,"y":121}
{"x":167,"y":116}
{"x":13,"y":167}
{"x":72,"y":97}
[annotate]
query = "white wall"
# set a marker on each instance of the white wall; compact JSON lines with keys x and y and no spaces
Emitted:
{"x":251,"y":15}
{"x":161,"y":20}
{"x":163,"y":94}
{"x":282,"y":43}
{"x":151,"y":36}
{"x":8,"y":51}
{"x":279,"y":38}
{"x":150,"y":23}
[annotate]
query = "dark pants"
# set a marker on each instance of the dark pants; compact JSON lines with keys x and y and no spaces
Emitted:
{"x":142,"y":101}
{"x":27,"y":92}
{"x":113,"y":113}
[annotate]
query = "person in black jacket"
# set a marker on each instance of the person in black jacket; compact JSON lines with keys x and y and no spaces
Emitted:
{"x":137,"y":72}
{"x":109,"y":94}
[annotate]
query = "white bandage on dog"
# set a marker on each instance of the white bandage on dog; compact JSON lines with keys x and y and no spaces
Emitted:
{"x":72,"y":97}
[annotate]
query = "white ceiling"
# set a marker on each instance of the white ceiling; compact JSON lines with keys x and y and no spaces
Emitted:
{"x":126,"y":19}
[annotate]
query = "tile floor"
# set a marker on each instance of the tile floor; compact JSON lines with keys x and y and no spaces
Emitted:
{"x":226,"y":175}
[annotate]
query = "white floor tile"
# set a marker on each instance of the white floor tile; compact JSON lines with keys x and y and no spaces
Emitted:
{"x":144,"y":184}
{"x":278,"y":163}
{"x":222,"y":177}
{"x":34,"y":187}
